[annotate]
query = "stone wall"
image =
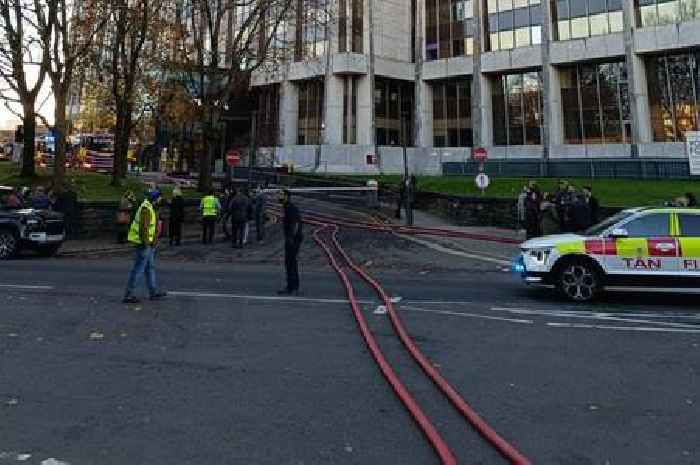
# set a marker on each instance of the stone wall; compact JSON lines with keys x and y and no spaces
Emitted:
{"x":96,"y":219}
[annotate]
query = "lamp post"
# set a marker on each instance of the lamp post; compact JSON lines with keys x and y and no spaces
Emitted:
{"x":408,"y":188}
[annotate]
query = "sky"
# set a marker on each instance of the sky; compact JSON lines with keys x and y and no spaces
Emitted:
{"x":10,"y":121}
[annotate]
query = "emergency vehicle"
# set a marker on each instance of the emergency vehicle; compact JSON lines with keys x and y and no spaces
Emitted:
{"x":642,"y":249}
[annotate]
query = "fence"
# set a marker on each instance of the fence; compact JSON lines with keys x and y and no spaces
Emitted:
{"x":627,"y":169}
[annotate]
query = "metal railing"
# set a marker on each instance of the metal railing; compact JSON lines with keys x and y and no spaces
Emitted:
{"x":616,"y":169}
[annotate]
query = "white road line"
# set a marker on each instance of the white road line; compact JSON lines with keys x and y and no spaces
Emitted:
{"x":24,"y":286}
{"x":646,"y":329}
{"x":594,"y":316}
{"x":465,"y":315}
{"x":216,"y":295}
{"x":457,"y":253}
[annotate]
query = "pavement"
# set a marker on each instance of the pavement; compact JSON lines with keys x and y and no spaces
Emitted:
{"x":226,"y":371}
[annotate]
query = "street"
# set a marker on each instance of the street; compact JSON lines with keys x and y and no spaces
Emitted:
{"x":225,"y":371}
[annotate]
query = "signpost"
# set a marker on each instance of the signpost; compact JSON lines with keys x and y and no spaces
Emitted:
{"x":692,"y":143}
{"x":482,"y":181}
{"x":233,"y":156}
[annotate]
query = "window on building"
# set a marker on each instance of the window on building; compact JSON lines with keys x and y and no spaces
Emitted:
{"x":350,"y":109}
{"x":674,"y":85}
{"x":657,"y":12}
{"x":342,"y":26}
{"x":312,"y":19}
{"x":517,"y":109}
{"x":452,"y":125}
{"x":393,"y":106}
{"x":267,"y":116}
{"x":595,"y":103}
{"x":449,"y":28}
{"x":310,"y":118}
{"x":576,"y":19}
{"x":357,"y":26}
{"x":350,"y":28}
{"x":513,"y":23}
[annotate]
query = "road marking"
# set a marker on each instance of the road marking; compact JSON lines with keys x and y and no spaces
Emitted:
{"x":591,"y":316}
{"x":466,"y":315}
{"x":647,"y":329}
{"x":457,"y":253}
{"x":216,"y":295}
{"x":24,"y":286}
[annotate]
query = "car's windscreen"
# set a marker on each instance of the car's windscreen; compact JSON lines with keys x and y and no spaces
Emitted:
{"x":605,"y":224}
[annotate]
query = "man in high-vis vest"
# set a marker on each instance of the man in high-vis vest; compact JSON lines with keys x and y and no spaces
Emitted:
{"x":144,"y":236}
{"x":210,"y":208}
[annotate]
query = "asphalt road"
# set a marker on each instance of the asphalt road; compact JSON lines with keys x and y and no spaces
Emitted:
{"x":224,"y":371}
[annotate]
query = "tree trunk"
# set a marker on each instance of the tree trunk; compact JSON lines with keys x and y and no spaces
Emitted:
{"x":61,"y":130}
{"x":122,"y":133}
{"x":205,"y":160}
{"x":28,"y":150}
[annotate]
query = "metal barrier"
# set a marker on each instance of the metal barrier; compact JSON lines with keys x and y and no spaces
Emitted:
{"x":617,"y":169}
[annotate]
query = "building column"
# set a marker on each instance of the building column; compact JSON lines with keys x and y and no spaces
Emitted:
{"x":637,"y":83}
{"x":551,"y":88}
{"x":424,"y":115}
{"x":365,"y":106}
{"x":288,"y":113}
{"x":333,"y":89}
{"x":482,"y":118}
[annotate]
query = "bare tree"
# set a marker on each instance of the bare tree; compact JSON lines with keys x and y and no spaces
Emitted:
{"x":21,"y":51}
{"x":67,"y":30}
{"x":218,"y":67}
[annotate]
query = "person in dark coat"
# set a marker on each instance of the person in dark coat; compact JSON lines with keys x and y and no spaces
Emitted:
{"x":67,"y":203}
{"x":593,"y":206}
{"x":177,"y":217}
{"x":532,"y":211}
{"x":293,"y":237}
{"x":238,"y":208}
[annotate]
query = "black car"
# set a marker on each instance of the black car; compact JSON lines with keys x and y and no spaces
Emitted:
{"x":27,"y":228}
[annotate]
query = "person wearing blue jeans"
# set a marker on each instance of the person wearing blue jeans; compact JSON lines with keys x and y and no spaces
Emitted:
{"x":143,"y":235}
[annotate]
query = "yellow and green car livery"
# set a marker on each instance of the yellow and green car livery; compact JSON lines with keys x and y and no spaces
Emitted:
{"x":648,"y":248}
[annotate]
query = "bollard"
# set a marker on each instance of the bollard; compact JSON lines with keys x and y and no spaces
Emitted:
{"x":373,"y":194}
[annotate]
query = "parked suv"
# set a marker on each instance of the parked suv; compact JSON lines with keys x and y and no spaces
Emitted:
{"x":27,"y":228}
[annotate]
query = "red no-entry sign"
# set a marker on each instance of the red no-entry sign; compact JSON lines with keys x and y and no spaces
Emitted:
{"x":233,"y":157}
{"x":480,"y":154}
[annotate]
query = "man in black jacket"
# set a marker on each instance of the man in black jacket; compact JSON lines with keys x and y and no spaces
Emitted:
{"x":238,"y":208}
{"x":292,"y":242}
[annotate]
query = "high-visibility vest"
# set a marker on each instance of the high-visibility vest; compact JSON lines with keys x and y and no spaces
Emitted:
{"x":209,"y":206}
{"x":134,"y":232}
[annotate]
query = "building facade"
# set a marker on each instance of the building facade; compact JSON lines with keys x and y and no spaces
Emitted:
{"x":525,"y":79}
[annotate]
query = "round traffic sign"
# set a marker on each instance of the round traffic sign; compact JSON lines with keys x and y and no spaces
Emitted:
{"x":233,"y":157}
{"x":482,"y":181}
{"x":480,"y":154}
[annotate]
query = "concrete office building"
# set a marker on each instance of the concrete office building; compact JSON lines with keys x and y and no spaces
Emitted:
{"x":526,"y":79}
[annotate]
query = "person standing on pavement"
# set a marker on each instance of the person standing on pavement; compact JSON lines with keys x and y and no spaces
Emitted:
{"x":593,"y":206}
{"x":292,"y":242}
{"x":177,"y":217}
{"x":209,"y":207}
{"x":143,"y":235}
{"x":532,"y":211}
{"x":238,"y":208}
{"x":259,"y":205}
{"x":122,"y":219}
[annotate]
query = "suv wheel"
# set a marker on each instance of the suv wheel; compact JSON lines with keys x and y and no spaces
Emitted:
{"x":8,"y":244}
{"x":578,"y":280}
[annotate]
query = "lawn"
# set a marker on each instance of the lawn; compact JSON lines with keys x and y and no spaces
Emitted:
{"x":89,"y":186}
{"x":610,"y":192}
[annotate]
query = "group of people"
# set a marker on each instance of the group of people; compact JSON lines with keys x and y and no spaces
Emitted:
{"x":240,"y":208}
{"x":145,"y":229}
{"x":40,"y":198}
{"x":567,"y":209}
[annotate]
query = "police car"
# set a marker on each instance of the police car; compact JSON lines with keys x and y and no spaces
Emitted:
{"x":642,"y":249}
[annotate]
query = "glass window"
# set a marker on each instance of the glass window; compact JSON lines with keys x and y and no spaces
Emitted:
{"x":522,"y":37}
{"x":564,"y":30}
{"x":579,"y":27}
{"x":506,"y":39}
{"x":517,"y":109}
{"x":536,"y":34}
{"x":653,"y":225}
{"x":616,"y":21}
{"x":452,"y":113}
{"x":599,"y":24}
{"x":449,"y":26}
{"x":394,"y":112}
{"x":521,"y":17}
{"x":690,"y":9}
{"x":510,"y":24}
{"x":310,"y":111}
{"x":690,"y":224}
{"x":570,"y":105}
{"x":668,"y":12}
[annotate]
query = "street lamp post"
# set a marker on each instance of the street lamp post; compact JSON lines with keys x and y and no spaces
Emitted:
{"x":408,"y":196}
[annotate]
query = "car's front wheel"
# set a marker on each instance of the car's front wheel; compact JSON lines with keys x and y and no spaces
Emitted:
{"x":578,"y":280}
{"x":9,"y":244}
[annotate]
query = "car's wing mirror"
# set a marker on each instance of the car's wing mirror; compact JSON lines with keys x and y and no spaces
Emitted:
{"x":619,"y":232}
